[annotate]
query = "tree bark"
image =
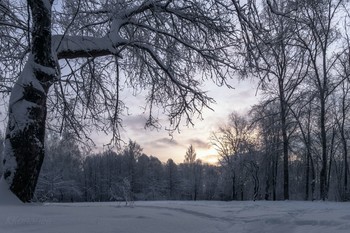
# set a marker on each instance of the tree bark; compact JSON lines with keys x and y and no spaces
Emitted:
{"x":345,"y":146}
{"x":285,"y":148}
{"x":346,"y":165}
{"x":307,"y":173}
{"x":323,"y":173}
{"x":233,"y":194}
{"x":274,"y":178}
{"x":267,"y":187}
{"x":24,"y":145}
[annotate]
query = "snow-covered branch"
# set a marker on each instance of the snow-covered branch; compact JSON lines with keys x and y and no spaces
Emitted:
{"x":70,"y":47}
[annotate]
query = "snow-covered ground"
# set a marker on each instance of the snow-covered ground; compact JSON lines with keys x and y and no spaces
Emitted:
{"x":177,"y":217}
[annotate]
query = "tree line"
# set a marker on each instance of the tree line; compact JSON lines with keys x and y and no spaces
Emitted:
{"x":250,"y":167}
{"x":129,"y":175}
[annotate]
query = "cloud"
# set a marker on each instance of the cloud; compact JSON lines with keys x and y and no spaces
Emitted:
{"x":163,"y":143}
{"x":198,"y":143}
{"x":243,"y":95}
{"x":168,"y":141}
{"x":134,"y":120}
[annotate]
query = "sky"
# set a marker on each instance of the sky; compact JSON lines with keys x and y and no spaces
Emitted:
{"x":164,"y":146}
{"x":159,"y":143}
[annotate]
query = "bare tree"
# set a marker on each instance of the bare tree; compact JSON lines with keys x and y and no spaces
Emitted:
{"x":190,"y":156}
{"x":1,"y":151}
{"x":157,"y":46}
{"x":193,"y":169}
{"x":232,"y":142}
{"x":265,"y":117}
{"x":341,"y":111}
{"x":271,"y":56}
{"x":302,"y":113}
{"x":316,"y":32}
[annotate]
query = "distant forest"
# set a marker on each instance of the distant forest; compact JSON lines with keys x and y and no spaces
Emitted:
{"x":250,"y":167}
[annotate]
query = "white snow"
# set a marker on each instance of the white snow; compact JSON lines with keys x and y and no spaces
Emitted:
{"x":18,"y":105}
{"x":7,"y":198}
{"x":19,"y":118}
{"x":178,"y":217}
{"x":27,"y":78}
{"x":84,"y":43}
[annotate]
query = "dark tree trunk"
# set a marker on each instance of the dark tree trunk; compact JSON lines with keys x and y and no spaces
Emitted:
{"x":345,"y":146}
{"x":331,"y":158}
{"x":27,"y":111}
{"x":256,"y":182}
{"x":195,"y":194}
{"x":233,"y":195}
{"x":267,"y":189}
{"x":307,"y":177}
{"x":323,"y":173}
{"x":285,"y":161}
{"x":345,"y":170}
{"x":313,"y":181}
{"x":308,"y":163}
{"x":285,"y":141}
{"x":274,"y":178}
{"x":269,"y":172}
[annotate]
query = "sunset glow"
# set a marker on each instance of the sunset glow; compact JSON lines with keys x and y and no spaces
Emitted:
{"x":164,"y":146}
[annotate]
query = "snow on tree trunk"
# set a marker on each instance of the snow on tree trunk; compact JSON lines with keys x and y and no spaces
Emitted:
{"x":24,"y":142}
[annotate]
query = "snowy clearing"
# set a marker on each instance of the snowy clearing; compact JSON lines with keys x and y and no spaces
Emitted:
{"x":177,"y":217}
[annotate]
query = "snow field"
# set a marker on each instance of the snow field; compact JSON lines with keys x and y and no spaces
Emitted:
{"x":177,"y":217}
